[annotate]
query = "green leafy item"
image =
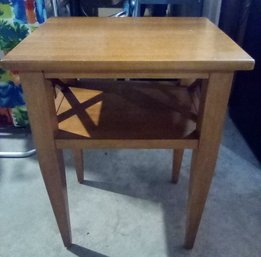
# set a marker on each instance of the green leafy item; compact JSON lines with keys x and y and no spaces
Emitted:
{"x":11,"y":34}
{"x":5,"y":10}
{"x":20,"y":116}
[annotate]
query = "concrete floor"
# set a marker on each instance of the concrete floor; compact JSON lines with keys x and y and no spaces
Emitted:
{"x":127,"y":206}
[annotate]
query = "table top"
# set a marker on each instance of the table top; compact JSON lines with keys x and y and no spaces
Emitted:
{"x":111,"y":44}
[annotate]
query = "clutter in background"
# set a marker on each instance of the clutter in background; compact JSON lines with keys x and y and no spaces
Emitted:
{"x":18,"y":18}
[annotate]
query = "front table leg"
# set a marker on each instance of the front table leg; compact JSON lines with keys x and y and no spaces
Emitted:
{"x":41,"y":109}
{"x":210,"y":125}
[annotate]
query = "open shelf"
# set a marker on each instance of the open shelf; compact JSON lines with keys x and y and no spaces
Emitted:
{"x":126,"y":114}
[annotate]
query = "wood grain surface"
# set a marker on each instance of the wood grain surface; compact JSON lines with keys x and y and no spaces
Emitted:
{"x":107,"y":45}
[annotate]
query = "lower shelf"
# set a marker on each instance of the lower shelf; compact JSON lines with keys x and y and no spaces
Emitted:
{"x":120,"y":114}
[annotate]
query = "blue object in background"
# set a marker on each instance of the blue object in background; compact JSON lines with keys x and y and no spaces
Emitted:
{"x":40,"y":11}
{"x":19,"y":11}
{"x":8,"y":89}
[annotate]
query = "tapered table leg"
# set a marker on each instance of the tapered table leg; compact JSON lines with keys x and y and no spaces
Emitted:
{"x":177,"y":161}
{"x":42,"y":115}
{"x":210,"y":125}
{"x":79,"y":164}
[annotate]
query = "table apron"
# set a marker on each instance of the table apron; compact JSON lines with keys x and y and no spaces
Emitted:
{"x":112,"y":75}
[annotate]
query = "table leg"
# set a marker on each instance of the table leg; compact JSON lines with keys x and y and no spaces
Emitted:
{"x":40,"y":104}
{"x":177,"y":161}
{"x":79,"y":164}
{"x":212,"y":115}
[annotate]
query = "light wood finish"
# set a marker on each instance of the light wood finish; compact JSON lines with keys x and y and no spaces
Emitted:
{"x":58,"y":98}
{"x":129,"y":144}
{"x":188,"y":81}
{"x":204,"y":158}
{"x":176,"y":165}
{"x":129,"y":74}
{"x":118,"y":46}
{"x":195,"y":91}
{"x":79,"y":164}
{"x":41,"y":110}
{"x":135,"y":113}
{"x":130,"y":116}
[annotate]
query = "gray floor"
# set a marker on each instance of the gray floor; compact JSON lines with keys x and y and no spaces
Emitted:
{"x":127,"y":206}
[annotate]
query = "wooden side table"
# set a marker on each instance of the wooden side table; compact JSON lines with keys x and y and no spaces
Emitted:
{"x":183,"y":48}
